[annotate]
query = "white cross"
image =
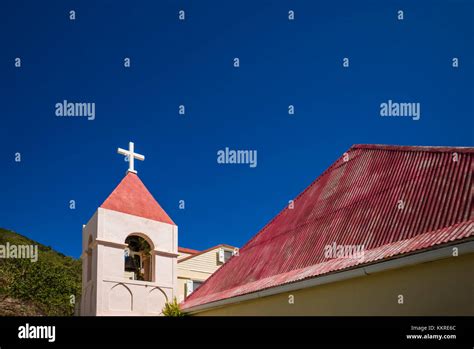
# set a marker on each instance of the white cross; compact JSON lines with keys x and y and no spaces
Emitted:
{"x":131,"y":155}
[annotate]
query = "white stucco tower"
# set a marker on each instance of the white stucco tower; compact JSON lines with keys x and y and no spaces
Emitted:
{"x":116,"y":280}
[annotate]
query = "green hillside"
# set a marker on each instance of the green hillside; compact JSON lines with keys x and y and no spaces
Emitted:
{"x":49,"y":286}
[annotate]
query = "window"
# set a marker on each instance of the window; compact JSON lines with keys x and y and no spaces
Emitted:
{"x":224,"y":255}
{"x":196,"y":284}
{"x":191,"y":286}
{"x":227,"y":255}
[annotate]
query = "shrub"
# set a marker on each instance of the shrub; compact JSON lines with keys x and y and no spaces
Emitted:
{"x":173,"y":309}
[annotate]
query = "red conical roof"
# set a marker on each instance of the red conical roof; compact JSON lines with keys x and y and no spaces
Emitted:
{"x":132,"y":197}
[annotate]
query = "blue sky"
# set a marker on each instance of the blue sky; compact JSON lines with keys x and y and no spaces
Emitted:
{"x":173,"y":62}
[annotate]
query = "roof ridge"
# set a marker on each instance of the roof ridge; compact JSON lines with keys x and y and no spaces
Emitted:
{"x":435,"y":149}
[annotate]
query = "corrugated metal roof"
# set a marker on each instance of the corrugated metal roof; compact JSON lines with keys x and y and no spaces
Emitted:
{"x":356,"y":201}
{"x":132,"y":197}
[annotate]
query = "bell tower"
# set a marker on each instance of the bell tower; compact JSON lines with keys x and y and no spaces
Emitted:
{"x":129,"y":253}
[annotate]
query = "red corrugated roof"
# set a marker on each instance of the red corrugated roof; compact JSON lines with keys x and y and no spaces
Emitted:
{"x":356,"y":202}
{"x":132,"y":197}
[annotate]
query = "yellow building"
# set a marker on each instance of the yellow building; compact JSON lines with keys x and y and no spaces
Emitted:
{"x":385,"y":230}
{"x":194,"y":267}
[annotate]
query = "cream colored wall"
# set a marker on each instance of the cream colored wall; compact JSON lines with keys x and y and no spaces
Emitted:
{"x":443,"y":287}
{"x":205,"y":262}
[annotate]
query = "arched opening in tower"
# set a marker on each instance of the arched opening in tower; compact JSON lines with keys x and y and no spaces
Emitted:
{"x":138,"y":259}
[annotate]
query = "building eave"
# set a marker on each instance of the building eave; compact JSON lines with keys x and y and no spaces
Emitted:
{"x":229,"y":247}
